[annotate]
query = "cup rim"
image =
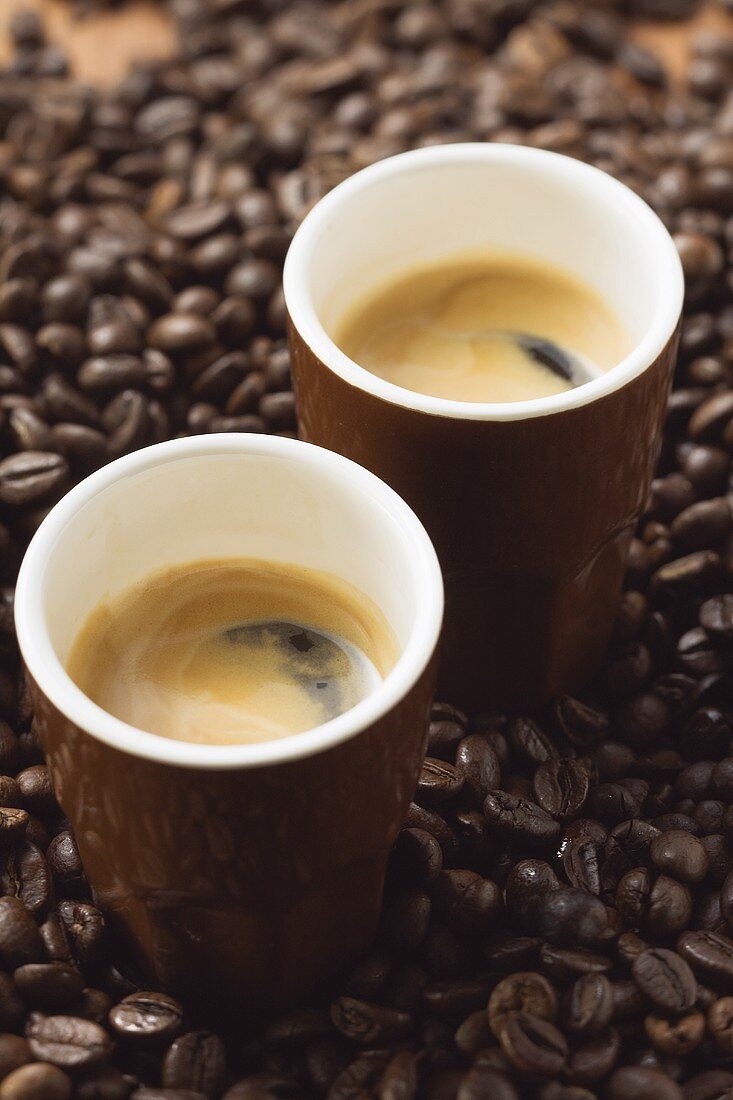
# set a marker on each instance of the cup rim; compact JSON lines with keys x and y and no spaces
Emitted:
{"x":52,"y":679}
{"x":305,"y":320}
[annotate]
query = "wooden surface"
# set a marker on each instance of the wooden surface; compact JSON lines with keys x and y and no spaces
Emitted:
{"x":102,"y":47}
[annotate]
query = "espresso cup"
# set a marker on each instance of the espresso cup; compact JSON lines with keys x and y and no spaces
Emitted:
{"x":246,"y":874}
{"x":531,"y":505}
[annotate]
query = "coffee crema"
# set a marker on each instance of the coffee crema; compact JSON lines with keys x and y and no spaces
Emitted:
{"x":233,"y":651}
{"x":483,"y":328}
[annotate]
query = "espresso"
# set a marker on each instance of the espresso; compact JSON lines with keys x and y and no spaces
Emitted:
{"x":483,"y":328}
{"x":233,"y":651}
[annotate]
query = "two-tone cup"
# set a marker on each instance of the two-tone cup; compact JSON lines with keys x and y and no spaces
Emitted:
{"x":531,"y":505}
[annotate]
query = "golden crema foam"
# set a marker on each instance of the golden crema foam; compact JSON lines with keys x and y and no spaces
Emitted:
{"x":483,"y":328}
{"x":233,"y":651}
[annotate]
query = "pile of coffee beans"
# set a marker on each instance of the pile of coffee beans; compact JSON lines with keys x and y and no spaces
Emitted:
{"x":558,"y":923}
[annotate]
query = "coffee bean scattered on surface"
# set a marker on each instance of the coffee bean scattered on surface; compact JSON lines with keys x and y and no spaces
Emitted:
{"x":558,"y":919}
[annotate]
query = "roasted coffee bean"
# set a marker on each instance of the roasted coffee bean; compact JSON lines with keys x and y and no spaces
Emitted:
{"x":710,"y":955}
{"x":478,"y":764}
{"x":299,"y":1026}
{"x":14,"y":1052}
{"x":580,"y":723}
{"x":181,"y":333}
{"x":406,"y":988}
{"x":722,"y":777}
{"x":469,"y":903}
{"x":452,"y":999}
{"x":705,"y":733}
{"x":586,"y":828}
{"x":196,"y":1061}
{"x":63,"y":859}
{"x":10,"y":792}
{"x":94,"y":1004}
{"x":68,"y":404}
{"x":520,"y":816}
{"x":11,"y":1006}
{"x":49,"y":986}
{"x":400,"y":1076}
{"x":720,"y":857}
{"x":644,"y":719}
{"x":561,"y":787}
{"x":720,"y":1023}
{"x":580,"y":863}
{"x":417,"y":854}
{"x":590,"y":1004}
{"x":595,"y":1058}
{"x":168,"y":1094}
{"x":104,"y":1084}
{"x":691,"y":575}
{"x":69,"y":1042}
{"x":530,"y":742}
{"x":527,"y":885}
{"x":472,"y":1035}
{"x":704,"y":523}
{"x":642,"y":1083}
{"x":35,"y":788}
{"x":20,"y":941}
{"x":670,"y":907}
{"x":572,"y":916}
{"x":85,"y":928}
{"x":476,"y":839}
{"x":29,"y":476}
{"x":675,"y":1036}
{"x":697,"y":654}
{"x":533,"y":1045}
{"x":526,"y":992}
{"x":418,"y":817}
{"x":666,"y":979}
{"x":13,"y":825}
{"x":681,"y":855}
{"x":615,"y":802}
{"x":708,"y":817}
{"x":147,"y":1016}
{"x":368,"y":980}
{"x":438,"y":782}
{"x":368,"y":1023}
{"x":632,"y":895}
{"x":627,"y":1000}
{"x":446,"y":955}
{"x":27,"y":876}
{"x":36,"y":1081}
{"x":484,"y":1080}
{"x":29,"y":432}
{"x":708,"y":1085}
{"x":565,"y":964}
{"x":710,"y":417}
{"x":726,"y":899}
{"x":405,"y":919}
{"x":716,"y":617}
{"x":707,"y":469}
{"x":629,"y":671}
{"x":104,"y":375}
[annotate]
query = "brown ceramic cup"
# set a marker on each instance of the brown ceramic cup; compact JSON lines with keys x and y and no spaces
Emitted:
{"x":530,"y":505}
{"x":249,"y":873}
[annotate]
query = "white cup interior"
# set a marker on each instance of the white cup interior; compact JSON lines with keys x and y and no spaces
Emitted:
{"x":434,"y":203}
{"x":225,"y":496}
